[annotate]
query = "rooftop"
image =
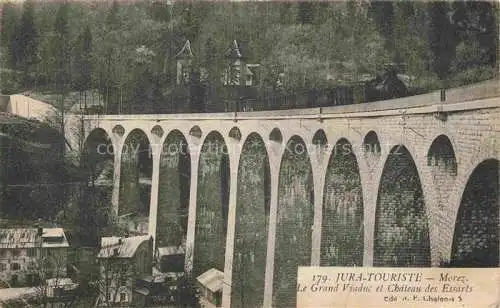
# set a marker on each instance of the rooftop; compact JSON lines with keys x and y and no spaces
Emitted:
{"x":234,"y":51}
{"x":27,"y":238}
{"x":120,"y":247}
{"x":211,"y":279}
{"x":185,"y":51}
{"x":171,"y":250}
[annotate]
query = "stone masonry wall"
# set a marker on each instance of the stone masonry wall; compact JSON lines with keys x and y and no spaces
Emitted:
{"x":129,"y":179}
{"x":252,"y":223}
{"x":294,"y":222}
{"x":342,"y":226}
{"x":476,"y":236}
{"x":401,"y":230}
{"x":173,"y":193}
{"x":211,"y":212}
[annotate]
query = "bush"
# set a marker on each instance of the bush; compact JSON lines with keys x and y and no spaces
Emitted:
{"x":473,"y":75}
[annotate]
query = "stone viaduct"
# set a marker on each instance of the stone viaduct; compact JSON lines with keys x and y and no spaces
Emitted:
{"x":403,"y":182}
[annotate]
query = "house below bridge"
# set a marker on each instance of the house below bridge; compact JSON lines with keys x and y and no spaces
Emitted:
{"x":26,"y":254}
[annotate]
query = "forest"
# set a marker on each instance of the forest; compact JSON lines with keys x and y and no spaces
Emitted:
{"x":125,"y":51}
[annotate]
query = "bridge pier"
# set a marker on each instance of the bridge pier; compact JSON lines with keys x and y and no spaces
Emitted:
{"x":319,"y":169}
{"x":115,"y":197}
{"x":271,"y":238}
{"x":234,"y":157}
{"x":195,"y":156}
{"x":153,"y":205}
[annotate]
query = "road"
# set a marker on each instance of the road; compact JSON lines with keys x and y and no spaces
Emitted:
{"x":12,"y":293}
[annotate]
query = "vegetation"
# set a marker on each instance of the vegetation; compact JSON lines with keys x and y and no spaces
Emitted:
{"x":127,"y":51}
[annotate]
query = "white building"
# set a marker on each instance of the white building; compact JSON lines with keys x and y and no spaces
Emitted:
{"x":123,"y":261}
{"x":21,"y":251}
{"x":210,"y":284}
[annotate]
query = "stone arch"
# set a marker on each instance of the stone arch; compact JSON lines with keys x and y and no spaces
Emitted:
{"x":157,"y":131}
{"x":252,"y":224}
{"x":475,"y":241}
{"x":371,"y":143}
{"x":319,"y":138}
{"x":235,"y":133}
{"x":98,"y":148}
{"x":212,"y":204}
{"x":294,"y":221}
{"x":173,"y":191}
{"x":98,"y":165}
{"x":118,"y":130}
{"x":195,"y":131}
{"x":276,"y":135}
{"x":135,"y":181}
{"x":441,"y":156}
{"x":401,"y":226}
{"x":342,"y":235}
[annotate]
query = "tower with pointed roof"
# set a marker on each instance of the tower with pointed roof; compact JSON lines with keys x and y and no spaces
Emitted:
{"x":236,"y":70}
{"x":184,"y":63}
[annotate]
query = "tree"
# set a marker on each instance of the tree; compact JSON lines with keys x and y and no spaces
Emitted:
{"x":8,"y":23}
{"x":477,"y":41}
{"x":442,"y":39}
{"x":383,"y":15}
{"x":115,"y":276}
{"x":61,"y":48}
{"x":112,"y":21}
{"x":83,"y":61}
{"x":146,"y":97}
{"x":26,"y":42}
{"x":306,"y":13}
{"x":47,"y":267}
{"x":119,"y":271}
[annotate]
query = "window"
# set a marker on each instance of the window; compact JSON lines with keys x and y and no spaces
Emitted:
{"x":15,"y":266}
{"x":185,"y":73}
{"x":123,"y":297}
{"x":16,"y":253}
{"x":13,"y":280}
{"x":123,"y":280}
{"x":108,"y":297}
{"x":3,"y":267}
{"x":3,"y":253}
{"x":31,"y":252}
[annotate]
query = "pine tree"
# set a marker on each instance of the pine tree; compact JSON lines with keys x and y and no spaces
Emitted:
{"x":61,"y":48}
{"x":442,"y":39}
{"x":26,"y":42}
{"x":106,"y":82}
{"x":382,"y":13}
{"x":112,"y":18}
{"x":83,"y":61}
{"x":306,"y":13}
{"x":8,"y":23}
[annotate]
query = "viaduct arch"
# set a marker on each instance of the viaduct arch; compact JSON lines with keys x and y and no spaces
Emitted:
{"x":447,"y":152}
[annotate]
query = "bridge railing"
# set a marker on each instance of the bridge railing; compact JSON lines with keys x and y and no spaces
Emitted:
{"x":478,"y":91}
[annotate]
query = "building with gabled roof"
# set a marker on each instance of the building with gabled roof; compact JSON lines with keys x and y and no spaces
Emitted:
{"x":238,"y":71}
{"x":234,"y":52}
{"x":184,"y":60}
{"x":210,"y":284}
{"x":123,"y":261}
{"x":238,"y":77}
{"x":21,"y":248}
